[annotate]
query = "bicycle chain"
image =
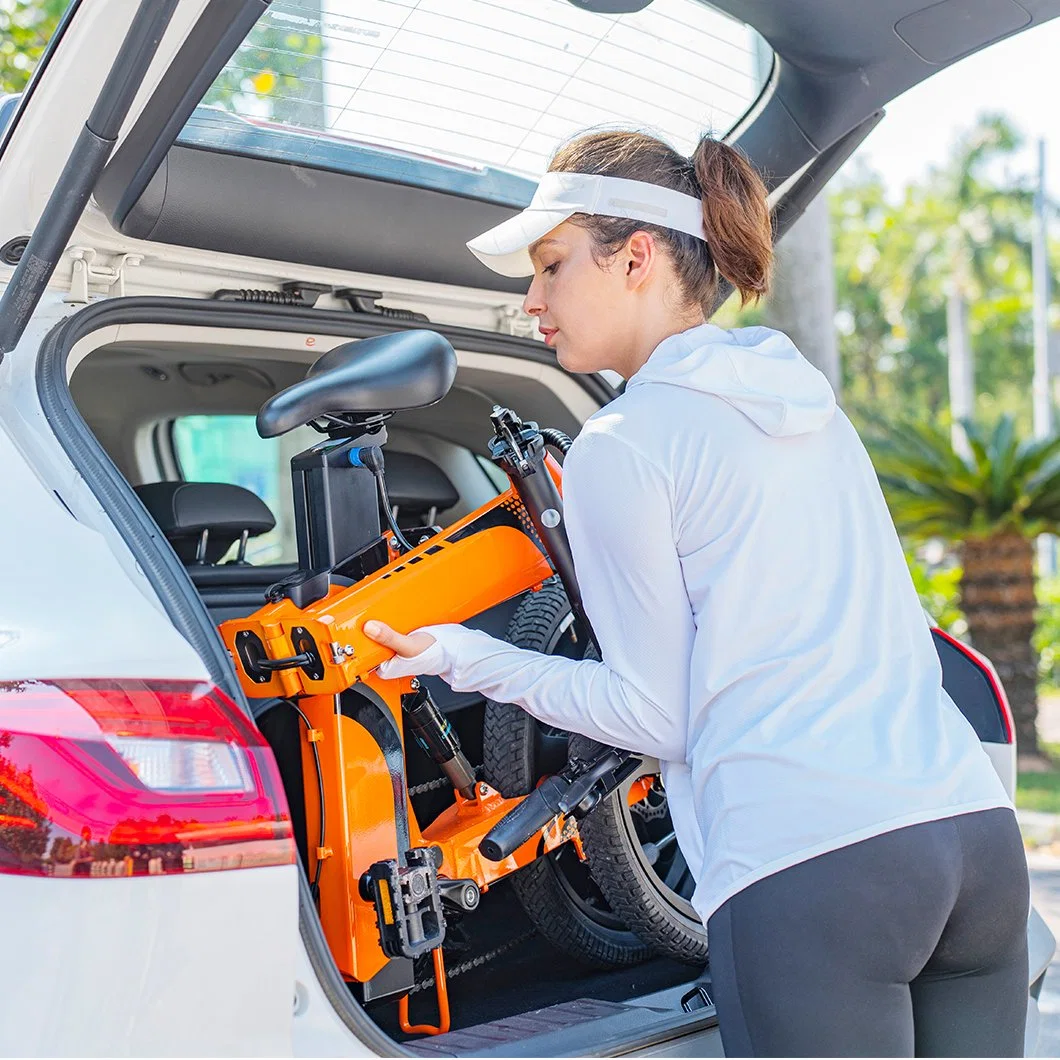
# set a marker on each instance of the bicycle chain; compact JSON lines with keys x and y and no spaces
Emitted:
{"x":441,"y":782}
{"x":429,"y":785}
{"x":485,"y":958}
{"x":476,"y":962}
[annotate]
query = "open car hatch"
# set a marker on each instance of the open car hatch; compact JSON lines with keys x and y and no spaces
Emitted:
{"x":193,"y":145}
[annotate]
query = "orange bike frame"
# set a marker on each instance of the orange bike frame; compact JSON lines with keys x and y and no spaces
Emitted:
{"x":355,"y":717}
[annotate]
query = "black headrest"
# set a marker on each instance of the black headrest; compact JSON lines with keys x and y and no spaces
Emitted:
{"x":414,"y":483}
{"x":184,"y":509}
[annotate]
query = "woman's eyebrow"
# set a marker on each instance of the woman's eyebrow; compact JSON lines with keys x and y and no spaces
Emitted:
{"x":535,"y":247}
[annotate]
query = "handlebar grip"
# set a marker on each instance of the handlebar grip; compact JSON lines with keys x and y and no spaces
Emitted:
{"x":520,"y":824}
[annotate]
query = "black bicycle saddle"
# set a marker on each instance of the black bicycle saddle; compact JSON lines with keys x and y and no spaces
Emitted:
{"x":364,"y":379}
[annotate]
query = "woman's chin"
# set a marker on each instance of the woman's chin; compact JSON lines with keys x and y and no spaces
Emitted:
{"x":570,"y":360}
{"x":581,"y":363}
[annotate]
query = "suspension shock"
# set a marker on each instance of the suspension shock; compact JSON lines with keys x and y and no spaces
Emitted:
{"x":432,"y":731}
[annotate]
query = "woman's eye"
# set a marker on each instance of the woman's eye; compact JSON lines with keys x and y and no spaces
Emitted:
{"x":551,"y":268}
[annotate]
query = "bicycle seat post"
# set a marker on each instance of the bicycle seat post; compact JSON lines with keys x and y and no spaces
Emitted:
{"x":336,"y":501}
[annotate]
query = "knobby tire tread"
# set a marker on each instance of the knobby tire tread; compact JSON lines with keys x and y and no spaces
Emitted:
{"x":508,"y":746}
{"x":630,"y":894}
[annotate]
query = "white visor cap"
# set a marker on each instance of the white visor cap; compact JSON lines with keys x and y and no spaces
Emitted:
{"x":559,"y":196}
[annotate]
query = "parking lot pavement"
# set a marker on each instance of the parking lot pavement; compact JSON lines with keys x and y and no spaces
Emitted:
{"x":1045,"y":892}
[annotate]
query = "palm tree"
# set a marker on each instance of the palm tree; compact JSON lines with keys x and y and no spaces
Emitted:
{"x":958,"y":222}
{"x":994,"y":502}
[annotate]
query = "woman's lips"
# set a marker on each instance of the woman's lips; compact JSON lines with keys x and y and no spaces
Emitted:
{"x":550,"y":335}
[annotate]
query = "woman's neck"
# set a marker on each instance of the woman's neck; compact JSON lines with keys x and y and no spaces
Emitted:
{"x":653,"y":333}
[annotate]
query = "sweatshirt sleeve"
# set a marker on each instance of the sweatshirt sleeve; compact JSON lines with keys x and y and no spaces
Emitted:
{"x":618,"y":511}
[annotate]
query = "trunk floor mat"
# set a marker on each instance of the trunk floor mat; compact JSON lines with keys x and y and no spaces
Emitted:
{"x":585,"y":1027}
{"x":531,"y":975}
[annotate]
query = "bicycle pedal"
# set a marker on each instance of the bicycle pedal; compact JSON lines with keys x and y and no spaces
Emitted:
{"x":408,"y":903}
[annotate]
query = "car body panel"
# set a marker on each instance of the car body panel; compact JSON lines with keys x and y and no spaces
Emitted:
{"x":63,"y":98}
{"x":73,"y":617}
{"x":182,"y":965}
{"x":826,"y":83}
{"x":1003,"y":757}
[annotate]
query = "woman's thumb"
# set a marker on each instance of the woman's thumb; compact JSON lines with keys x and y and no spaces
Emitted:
{"x":406,"y":645}
{"x":382,"y":633}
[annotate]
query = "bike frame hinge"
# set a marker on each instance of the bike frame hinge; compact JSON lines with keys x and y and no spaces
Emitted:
{"x":86,"y":272}
{"x":314,"y":735}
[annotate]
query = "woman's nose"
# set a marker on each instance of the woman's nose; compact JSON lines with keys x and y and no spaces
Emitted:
{"x":534,"y":303}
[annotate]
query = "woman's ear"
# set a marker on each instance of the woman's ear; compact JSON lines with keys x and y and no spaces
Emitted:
{"x":638,"y":257}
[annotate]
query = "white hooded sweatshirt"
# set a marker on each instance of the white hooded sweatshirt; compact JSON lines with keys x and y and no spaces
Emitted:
{"x":759,"y":628}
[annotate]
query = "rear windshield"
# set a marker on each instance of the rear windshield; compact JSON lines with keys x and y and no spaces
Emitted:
{"x":473,"y":95}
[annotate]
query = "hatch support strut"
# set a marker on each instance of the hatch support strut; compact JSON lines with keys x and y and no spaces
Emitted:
{"x":87,"y":159}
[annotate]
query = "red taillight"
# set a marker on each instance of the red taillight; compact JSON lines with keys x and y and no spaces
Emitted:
{"x":986,"y":667}
{"x":129,"y":778}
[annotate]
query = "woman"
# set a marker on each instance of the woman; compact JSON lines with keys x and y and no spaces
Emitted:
{"x":858,"y":863}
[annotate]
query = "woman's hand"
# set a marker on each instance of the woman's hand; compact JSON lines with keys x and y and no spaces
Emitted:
{"x":406,"y":646}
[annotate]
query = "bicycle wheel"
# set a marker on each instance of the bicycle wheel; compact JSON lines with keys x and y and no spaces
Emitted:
{"x":629,"y":899}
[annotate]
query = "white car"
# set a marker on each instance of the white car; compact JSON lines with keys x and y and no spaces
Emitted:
{"x":199,"y":198}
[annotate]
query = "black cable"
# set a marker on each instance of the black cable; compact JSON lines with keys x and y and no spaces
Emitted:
{"x":557,"y":439}
{"x":371,"y":457}
{"x":315,"y":885}
{"x":391,"y":521}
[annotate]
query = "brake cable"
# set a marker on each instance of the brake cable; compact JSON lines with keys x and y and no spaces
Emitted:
{"x":314,"y":887}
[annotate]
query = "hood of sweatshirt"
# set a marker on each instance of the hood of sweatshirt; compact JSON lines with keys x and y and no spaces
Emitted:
{"x":756,"y":370}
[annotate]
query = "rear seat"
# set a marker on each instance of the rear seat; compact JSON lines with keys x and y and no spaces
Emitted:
{"x":202,"y":520}
{"x":418,"y":489}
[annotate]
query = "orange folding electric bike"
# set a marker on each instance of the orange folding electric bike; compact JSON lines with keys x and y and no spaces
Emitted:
{"x":382,"y":882}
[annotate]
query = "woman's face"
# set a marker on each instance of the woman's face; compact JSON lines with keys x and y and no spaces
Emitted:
{"x":584,"y":309}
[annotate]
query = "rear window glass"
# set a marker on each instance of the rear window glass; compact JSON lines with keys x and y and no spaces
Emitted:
{"x":473,"y":94}
{"x":229,"y":449}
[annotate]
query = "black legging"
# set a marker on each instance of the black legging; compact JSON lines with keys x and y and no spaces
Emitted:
{"x":912,"y":943}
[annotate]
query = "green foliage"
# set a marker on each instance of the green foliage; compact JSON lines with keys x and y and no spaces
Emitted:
{"x":26,"y":26}
{"x":896,"y":263}
{"x":1047,"y":633}
{"x":1008,"y":484}
{"x":730,"y":314}
{"x":1039,"y":791}
{"x":277,"y":72}
{"x":939,"y":589}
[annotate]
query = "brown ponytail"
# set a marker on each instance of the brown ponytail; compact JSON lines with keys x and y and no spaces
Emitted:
{"x":739,"y":246}
{"x":735,"y":217}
